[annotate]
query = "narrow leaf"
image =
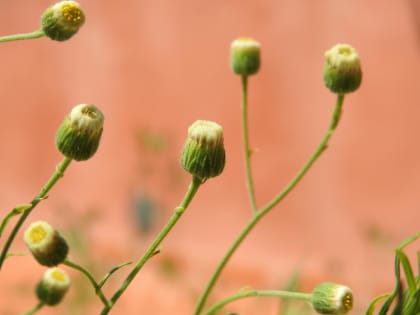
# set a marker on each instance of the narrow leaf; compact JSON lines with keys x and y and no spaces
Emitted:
{"x":110,"y":273}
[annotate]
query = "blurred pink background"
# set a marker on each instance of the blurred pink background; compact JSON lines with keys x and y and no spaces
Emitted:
{"x":154,"y":67}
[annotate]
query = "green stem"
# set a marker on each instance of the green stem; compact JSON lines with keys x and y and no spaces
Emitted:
{"x":319,"y":150}
{"x":261,"y":213}
{"x":247,"y":150}
{"x":59,"y":172}
{"x":6,"y":220}
{"x":98,"y":290}
{"x":193,"y":188}
{"x":241,"y":295}
{"x":34,"y":309}
{"x":32,"y":35}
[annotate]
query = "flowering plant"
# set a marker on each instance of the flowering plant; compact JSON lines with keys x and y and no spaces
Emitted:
{"x":204,"y":156}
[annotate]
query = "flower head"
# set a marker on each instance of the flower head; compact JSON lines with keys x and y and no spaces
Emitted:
{"x":53,"y":286}
{"x":331,"y":298}
{"x":62,"y":20}
{"x":245,"y":56}
{"x":342,"y":71}
{"x":203,"y":155}
{"x":79,"y":135}
{"x":47,"y":246}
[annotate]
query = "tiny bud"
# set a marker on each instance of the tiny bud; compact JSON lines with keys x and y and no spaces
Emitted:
{"x":79,"y":135}
{"x":245,"y":56}
{"x":62,"y":20}
{"x":342,"y":71}
{"x":53,"y":286}
{"x":47,"y":246}
{"x":331,"y":298}
{"x":203,"y":155}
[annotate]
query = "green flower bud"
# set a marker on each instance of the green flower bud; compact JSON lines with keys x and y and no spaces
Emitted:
{"x":245,"y":56}
{"x":53,"y":286}
{"x":203,"y":155}
{"x":62,"y":20}
{"x":79,"y":135}
{"x":331,"y":298}
{"x":47,"y":246}
{"x":342,"y":71}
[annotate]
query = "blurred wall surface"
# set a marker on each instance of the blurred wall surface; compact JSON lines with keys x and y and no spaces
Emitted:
{"x":154,"y":67}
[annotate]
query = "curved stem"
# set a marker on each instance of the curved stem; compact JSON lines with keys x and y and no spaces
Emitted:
{"x":6,"y":220}
{"x":319,"y":150}
{"x":247,"y":150}
{"x":254,"y":293}
{"x":193,"y":188}
{"x":59,"y":172}
{"x":261,"y":213}
{"x":32,"y":35}
{"x":34,"y":309}
{"x":98,"y":290}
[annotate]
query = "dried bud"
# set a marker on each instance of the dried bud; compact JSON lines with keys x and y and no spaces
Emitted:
{"x":331,"y":298}
{"x":53,"y":286}
{"x":245,"y":56}
{"x":203,"y":155}
{"x":79,"y":135}
{"x":342,"y":71}
{"x":62,"y":20}
{"x":47,"y":246}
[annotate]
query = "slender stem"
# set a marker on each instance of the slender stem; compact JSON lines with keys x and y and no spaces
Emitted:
{"x":98,"y":290}
{"x":261,"y":213}
{"x":319,"y":150}
{"x":193,"y":188}
{"x":247,"y":150}
{"x":6,"y":220}
{"x":34,"y":309}
{"x":241,"y":295}
{"x":32,"y":35}
{"x":59,"y":172}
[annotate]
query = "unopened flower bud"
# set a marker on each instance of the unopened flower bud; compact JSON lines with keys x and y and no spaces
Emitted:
{"x":342,"y":71}
{"x":62,"y":20}
{"x":47,"y":246}
{"x":79,"y":135}
{"x":203,"y":155}
{"x":245,"y":56}
{"x":331,"y":298}
{"x":53,"y":286}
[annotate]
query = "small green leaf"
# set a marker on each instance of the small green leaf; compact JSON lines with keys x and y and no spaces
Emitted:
{"x":408,"y":271}
{"x":385,"y":307}
{"x":109,"y":274}
{"x":409,"y":240}
{"x":372,"y":304}
{"x":6,"y":220}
